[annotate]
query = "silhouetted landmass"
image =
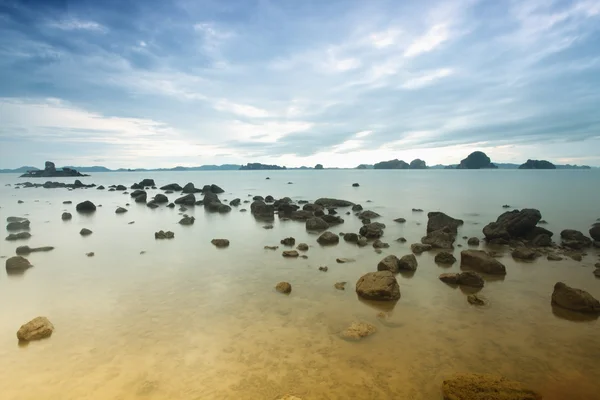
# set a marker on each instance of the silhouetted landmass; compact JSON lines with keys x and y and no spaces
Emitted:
{"x":18,"y":170}
{"x":365,"y":166}
{"x":50,"y":171}
{"x":537,"y":164}
{"x":418,"y":164}
{"x":89,"y":169}
{"x":319,"y":166}
{"x":392,"y":164}
{"x":259,"y":166}
{"x":569,"y":166}
{"x":476,"y":160}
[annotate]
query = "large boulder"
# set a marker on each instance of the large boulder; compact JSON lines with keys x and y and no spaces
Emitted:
{"x":485,"y":387}
{"x":172,"y":186}
{"x":141,"y":198}
{"x":187,"y":200}
{"x":316,"y":224}
{"x":332,"y":219}
{"x":36,"y":329}
{"x":351,"y":237}
{"x":439,"y":220}
{"x":574,"y":299}
{"x":368,"y":214}
{"x":190,"y":188}
{"x":467,"y":278}
{"x":481,"y":261}
{"x":262,"y":210}
{"x":328,"y":238}
{"x":443,"y":257}
{"x":513,"y":224}
{"x":440,"y":239}
{"x":85,"y":207}
{"x":595,"y":231}
{"x":327,"y":202}
{"x":161,"y":198}
{"x":17,"y":264}
{"x":216,"y":189}
{"x":137,"y":193}
{"x":373,"y":230}
{"x":419,"y":248}
{"x":147,"y":182}
{"x":18,"y":225}
{"x":408,"y":263}
{"x":380,"y":285}
{"x":389,"y":263}
{"x":574,"y":239}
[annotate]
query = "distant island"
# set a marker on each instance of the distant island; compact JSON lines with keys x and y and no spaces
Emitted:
{"x":398,"y":164}
{"x":476,"y":160}
{"x":537,"y":164}
{"x":259,"y":167}
{"x":50,"y":171}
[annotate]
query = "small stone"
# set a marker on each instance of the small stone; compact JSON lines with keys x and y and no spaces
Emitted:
{"x":417,"y":210}
{"x":302,"y":247}
{"x":290,"y":253}
{"x":284,"y":287}
{"x":324,"y":269}
{"x":220,"y":242}
{"x":36,"y":329}
{"x":90,"y":254}
{"x":401,"y":240}
{"x":344,"y":260}
{"x":85,"y":232}
{"x":67,"y":202}
{"x":290,"y":241}
{"x":340,"y":285}
{"x":378,"y":244}
{"x":357,"y":331}
{"x":473,"y":241}
{"x":476,"y":300}
{"x":121,"y":210}
{"x":271,"y":247}
{"x":400,"y":220}
{"x":362,"y":242}
{"x":187,"y":221}
{"x":164,"y":235}
{"x":268,"y":227}
{"x":66,"y":216}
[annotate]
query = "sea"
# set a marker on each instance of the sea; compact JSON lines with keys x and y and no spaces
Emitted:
{"x":181,"y":319}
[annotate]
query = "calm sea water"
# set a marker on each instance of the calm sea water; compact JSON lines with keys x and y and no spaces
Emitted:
{"x":185,"y":320}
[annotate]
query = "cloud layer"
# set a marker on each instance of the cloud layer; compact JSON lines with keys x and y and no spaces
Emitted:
{"x":185,"y":82}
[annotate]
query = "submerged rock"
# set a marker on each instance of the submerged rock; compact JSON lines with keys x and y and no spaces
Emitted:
{"x":121,"y":210}
{"x":289,"y":241}
{"x":86,"y":206}
{"x":271,"y":247}
{"x":372,"y":230}
{"x":18,"y":225}
{"x":327,"y":202}
{"x":290,"y":253}
{"x":574,"y":299}
{"x":164,"y":235}
{"x":467,"y":278}
{"x":302,"y":247}
{"x":342,"y":260}
{"x":357,"y":331}
{"x":36,"y":329}
{"x":524,"y":253}
{"x":368,"y":215}
{"x":473,"y":241}
{"x":24,"y":250}
{"x":187,"y":220}
{"x":283,"y":287}
{"x":172,"y":186}
{"x":443,"y":257}
{"x":187,"y":200}
{"x":485,"y":387}
{"x":378,"y":244}
{"x":85,"y":232}
{"x":419,"y":248}
{"x":66,"y":216}
{"x":351,"y":237}
{"x":328,"y":238}
{"x":381,"y":285}
{"x":220,"y":242}
{"x":340,"y":285}
{"x":316,"y":224}
{"x":18,"y":236}
{"x":400,"y":220}
{"x":481,"y":261}
{"x":17,"y":264}
{"x":476,"y":300}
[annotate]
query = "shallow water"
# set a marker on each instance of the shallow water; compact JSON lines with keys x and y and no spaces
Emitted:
{"x":188,"y":321}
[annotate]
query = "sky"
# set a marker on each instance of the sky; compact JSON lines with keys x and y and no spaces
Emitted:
{"x":162,"y":83}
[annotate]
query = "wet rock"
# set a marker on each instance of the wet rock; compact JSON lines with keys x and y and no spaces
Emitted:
{"x":171,"y":205}
{"x":36,"y":329}
{"x":577,"y":256}
{"x":574,"y":239}
{"x":323,"y":269}
{"x":290,"y":253}
{"x":368,"y":215}
{"x":18,"y":236}
{"x":316,"y":224}
{"x":262,"y":211}
{"x":485,"y":387}
{"x":235,"y":202}
{"x":473,"y":241}
{"x":389,"y":263}
{"x":268,"y":226}
{"x":400,"y":220}
{"x":189,"y":188}
{"x":220,"y":242}
{"x":328,"y":238}
{"x":467,"y":278}
{"x":18,"y":225}
{"x":164,"y":235}
{"x":342,"y":260}
{"x":20,"y":202}
{"x":187,"y":200}
{"x":438,"y":221}
{"x":327,"y":202}
{"x":355,"y":185}
{"x":373,"y":230}
{"x":224,"y":208}
{"x":283,"y":287}
{"x":290,"y":241}
{"x":440,"y":239}
{"x":417,"y":210}
{"x":443,"y":257}
{"x":141,"y":198}
{"x":67,"y":202}
{"x":401,"y":240}
{"x":524,"y":253}
{"x":147,"y":182}
{"x":408,"y":263}
{"x":216,"y":189}
{"x":85,"y":207}
{"x":332,"y":219}
{"x":17,"y":264}
{"x":380,"y":285}
{"x":553,"y":257}
{"x":419,"y":248}
{"x":542,"y":240}
{"x":362,"y":242}
{"x":100,"y":187}
{"x":357,"y":331}
{"x":595,"y":232}
{"x":574,"y":299}
{"x":269,"y":199}
{"x":351,"y":237}
{"x":243,"y":210}
{"x":24,"y":250}
{"x":513,"y":224}
{"x":187,"y":220}
{"x":121,"y":210}
{"x":271,"y":247}
{"x":152,"y":205}
{"x":378,"y":244}
{"x":476,"y":300}
{"x":340,"y":285}
{"x":597,"y":272}
{"x":90,"y":254}
{"x":302,"y":247}
{"x":357,"y":207}
{"x":481,"y":261}
{"x":172,"y":187}
{"x":85,"y":232}
{"x":161,"y":199}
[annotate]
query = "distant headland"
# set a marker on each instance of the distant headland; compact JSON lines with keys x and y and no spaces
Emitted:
{"x":50,"y":171}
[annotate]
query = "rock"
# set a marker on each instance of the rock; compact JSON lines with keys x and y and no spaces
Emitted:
{"x":443,"y":257}
{"x":268,"y":226}
{"x":357,"y":331}
{"x":323,"y":269}
{"x":90,"y":254}
{"x":137,"y":193}
{"x":141,"y":198}
{"x":574,"y":239}
{"x":401,"y":240}
{"x":344,"y":260}
{"x":224,"y":208}
{"x":574,"y":299}
{"x":368,"y":215}
{"x":440,"y":239}
{"x":161,"y":199}
{"x":283,"y":287}
{"x":18,"y":236}
{"x":408,"y":263}
{"x":378,"y":244}
{"x":85,"y":207}
{"x":438,"y":221}
{"x":187,"y":220}
{"x":597,"y":272}
{"x":121,"y":210}
{"x":302,"y":247}
{"x":400,"y":220}
{"x":419,"y":248}
{"x":351,"y":237}
{"x":85,"y":232}
{"x":271,"y":247}
{"x":595,"y":232}
{"x":189,"y":188}
{"x":327,"y":202}
{"x":290,"y":241}
{"x":24,"y":250}
{"x":164,"y":235}
{"x":220,"y":242}
{"x":290,"y":253}
{"x":553,"y":257}
{"x":66,"y":216}
{"x":362,"y":242}
{"x":187,"y":200}
{"x":485,"y":387}
{"x":18,"y":225}
{"x":17,"y":264}
{"x":121,"y":187}
{"x":100,"y":187}
{"x":67,"y":202}
{"x":467,"y":278}
{"x":332,"y":219}
{"x":506,"y":206}
{"x":473,"y":241}
{"x":380,"y":285}
{"x":417,"y":210}
{"x":389,"y":263}
{"x":542,"y":240}
{"x":340,"y":285}
{"x":357,"y":207}
{"x":36,"y":329}
{"x":235,"y":202}
{"x":216,"y":189}
{"x":152,"y":205}
{"x":147,"y":182}
{"x":355,"y":185}
{"x":574,"y":255}
{"x":481,"y":261}
{"x":316,"y":224}
{"x":476,"y":300}
{"x":512,"y":224}
{"x":172,"y":186}
{"x":373,"y":230}
{"x":262,"y":211}
{"x":328,"y":238}
{"x":524,"y":253}
{"x":171,"y":205}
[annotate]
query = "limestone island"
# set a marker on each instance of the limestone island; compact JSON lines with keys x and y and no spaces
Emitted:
{"x":50,"y":171}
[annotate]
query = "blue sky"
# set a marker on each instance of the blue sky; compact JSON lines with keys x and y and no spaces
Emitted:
{"x":297,"y":82}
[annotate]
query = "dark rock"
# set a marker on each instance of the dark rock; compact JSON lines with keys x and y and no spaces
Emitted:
{"x":574,"y":239}
{"x":24,"y":250}
{"x":595,"y":232}
{"x":171,"y":205}
{"x":400,"y":220}
{"x":476,"y":300}
{"x":100,"y":187}
{"x":443,"y":257}
{"x":537,"y":164}
{"x":355,"y":185}
{"x":380,"y":285}
{"x":440,"y":239}
{"x":302,"y":247}
{"x":467,"y":278}
{"x":85,"y":232}
{"x":344,"y":260}
{"x":188,"y":200}
{"x":368,"y":215}
{"x":513,"y":224}
{"x":290,"y":253}
{"x":141,"y":198}
{"x":438,"y":221}
{"x":485,"y":387}
{"x":220,"y":242}
{"x":187,"y":220}
{"x":524,"y":253}
{"x":316,"y":224}
{"x":137,"y":186}
{"x":147,"y":182}
{"x":357,"y":207}
{"x":85,"y":207}
{"x":262,"y":211}
{"x":301,"y":215}
{"x":223,"y":208}
{"x":553,"y":257}
{"x":16,"y":225}
{"x":417,"y":210}
{"x":90,"y":254}
{"x":235,"y":202}
{"x":372,"y":231}
{"x":473,"y":241}
{"x":332,"y":219}
{"x":137,"y":193}
{"x":378,"y":244}
{"x":327,"y":202}
{"x":290,"y":241}
{"x":351,"y":237}
{"x":408,"y":263}
{"x":574,"y":299}
{"x":161,"y":198}
{"x":323,"y":269}
{"x":340,"y":285}
{"x":216,"y":189}
{"x":190,"y":188}
{"x":164,"y":235}
{"x":389,"y":263}
{"x":506,"y":206}
{"x":172,"y":186}
{"x":17,"y":264}
{"x":419,"y":248}
{"x":271,"y":247}
{"x":283,"y":287}
{"x":18,"y":236}
{"x":269,"y":199}
{"x":67,"y":202}
{"x":481,"y":261}
{"x":331,"y":211}
{"x":66,"y":216}
{"x":362,"y":242}
{"x":328,"y":238}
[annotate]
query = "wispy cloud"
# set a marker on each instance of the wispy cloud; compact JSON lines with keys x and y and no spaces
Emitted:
{"x":76,"y":24}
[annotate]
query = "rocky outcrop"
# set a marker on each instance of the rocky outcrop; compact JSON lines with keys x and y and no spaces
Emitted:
{"x":327,"y":202}
{"x":36,"y":329}
{"x":187,"y":200}
{"x":328,"y":238}
{"x":22,"y":224}
{"x":262,"y":210}
{"x":161,"y":199}
{"x":316,"y":224}
{"x":417,"y":164}
{"x":574,"y":299}
{"x":391,"y":164}
{"x":485,"y":387}
{"x":86,"y":207}
{"x":476,"y":160}
{"x":17,"y":264}
{"x":467,"y":278}
{"x":283,"y":287}
{"x":373,"y":230}
{"x":380,"y":285}
{"x":514,"y":224}
{"x":220,"y":242}
{"x":443,"y":257}
{"x":481,"y":261}
{"x":357,"y":331}
{"x":18,"y":236}
{"x":537,"y":164}
{"x":50,"y":171}
{"x":574,"y":239}
{"x":85,"y":232}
